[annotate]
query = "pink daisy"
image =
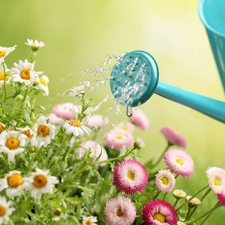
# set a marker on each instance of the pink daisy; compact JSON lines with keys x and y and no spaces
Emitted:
{"x":96,"y":121}
{"x":216,"y":179}
{"x":221,"y":198}
{"x":119,"y":139}
{"x":66,"y":110}
{"x":179,"y":162}
{"x":120,"y":211}
{"x":159,"y":212}
{"x":165,"y":181}
{"x":139,"y":119}
{"x":173,"y":137}
{"x":130,"y":176}
{"x":97,"y":151}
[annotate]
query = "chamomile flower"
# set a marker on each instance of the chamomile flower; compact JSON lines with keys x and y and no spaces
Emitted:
{"x":31,"y":136}
{"x":139,"y":143}
{"x":216,"y":179}
{"x":40,"y":182}
{"x":2,"y":127}
{"x":165,"y":180}
{"x":3,"y":77}
{"x":179,"y":162}
{"x":76,"y":127}
{"x":89,"y":220}
{"x":45,"y":131}
{"x":4,"y":51}
{"x":14,"y":184}
{"x":43,"y":84}
{"x":24,"y":73}
{"x":12,"y":143}
{"x":130,"y":176}
{"x":159,"y":212}
{"x":5,"y":210}
{"x":120,"y":211}
{"x":78,"y":91}
{"x":34,"y":44}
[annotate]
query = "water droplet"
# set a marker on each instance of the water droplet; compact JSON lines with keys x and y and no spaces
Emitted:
{"x":129,"y":111}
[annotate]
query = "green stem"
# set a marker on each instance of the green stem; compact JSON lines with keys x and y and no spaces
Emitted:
{"x":202,"y":198}
{"x":161,"y":156}
{"x":207,"y":214}
{"x":118,"y":157}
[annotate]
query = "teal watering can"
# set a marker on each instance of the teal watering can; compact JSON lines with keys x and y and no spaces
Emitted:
{"x":135,"y":76}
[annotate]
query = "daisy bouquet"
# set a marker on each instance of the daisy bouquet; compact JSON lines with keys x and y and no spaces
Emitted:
{"x":76,"y":166}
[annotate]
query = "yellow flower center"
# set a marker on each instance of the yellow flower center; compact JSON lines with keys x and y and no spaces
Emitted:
{"x":43,"y":81}
{"x":2,"y":53}
{"x":75,"y":123}
{"x":159,"y":217}
{"x":179,"y":161}
{"x":2,"y":77}
{"x":88,"y":222}
{"x":119,"y":137}
{"x":2,"y":210}
{"x":12,"y":143}
{"x":217,"y":182}
{"x":2,"y":128}
{"x":119,"y":212}
{"x":15,"y":180}
{"x":28,"y":133}
{"x":43,"y":130}
{"x":25,"y":74}
{"x":131,"y":175}
{"x":165,"y":180}
{"x":40,"y":181}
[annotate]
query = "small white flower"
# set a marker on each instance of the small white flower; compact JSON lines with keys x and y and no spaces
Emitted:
{"x":43,"y":84}
{"x":31,"y":136}
{"x":139,"y":143}
{"x":45,"y":131}
{"x":5,"y":210}
{"x":76,"y":128}
{"x":41,"y":182}
{"x":14,"y":184}
{"x":193,"y":202}
{"x":34,"y":44}
{"x":178,"y":194}
{"x":24,"y":73}
{"x":4,"y":51}
{"x":12,"y":143}
{"x":128,"y":126}
{"x":77,"y":90}
{"x":90,"y":220}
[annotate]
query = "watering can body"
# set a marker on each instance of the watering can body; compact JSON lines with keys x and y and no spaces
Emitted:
{"x":135,"y":77}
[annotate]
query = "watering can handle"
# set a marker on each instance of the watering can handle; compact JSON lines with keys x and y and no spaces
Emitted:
{"x":205,"y":105}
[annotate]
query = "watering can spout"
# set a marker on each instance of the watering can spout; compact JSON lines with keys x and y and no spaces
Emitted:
{"x":208,"y":106}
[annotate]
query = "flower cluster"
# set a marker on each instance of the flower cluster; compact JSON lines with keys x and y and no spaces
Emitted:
{"x":75,"y":166}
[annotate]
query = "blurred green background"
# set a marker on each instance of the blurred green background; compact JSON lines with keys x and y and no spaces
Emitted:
{"x":80,"y":34}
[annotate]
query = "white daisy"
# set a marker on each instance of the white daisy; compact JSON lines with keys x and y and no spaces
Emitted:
{"x":77,"y":90}
{"x":24,"y":73}
{"x":34,"y":44}
{"x":5,"y":210}
{"x":45,"y":131}
{"x":3,"y":77}
{"x":76,"y":128}
{"x":90,"y":220}
{"x":31,"y":136}
{"x":41,"y":182}
{"x":139,"y":143}
{"x":12,"y":143}
{"x":14,"y":184}
{"x":4,"y":51}
{"x":43,"y":84}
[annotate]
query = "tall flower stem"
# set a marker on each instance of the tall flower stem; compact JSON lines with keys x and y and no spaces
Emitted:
{"x":186,"y":202}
